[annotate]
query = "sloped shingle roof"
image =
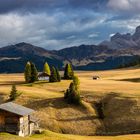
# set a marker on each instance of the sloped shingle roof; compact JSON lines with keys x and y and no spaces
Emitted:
{"x":43,"y":74}
{"x":16,"y":109}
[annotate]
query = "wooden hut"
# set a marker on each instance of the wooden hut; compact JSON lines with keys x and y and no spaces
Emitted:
{"x":43,"y":77}
{"x":17,"y":119}
{"x":96,"y":77}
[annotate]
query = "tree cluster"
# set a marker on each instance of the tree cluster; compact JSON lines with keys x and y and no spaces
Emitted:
{"x":72,"y":94}
{"x":30,"y":73}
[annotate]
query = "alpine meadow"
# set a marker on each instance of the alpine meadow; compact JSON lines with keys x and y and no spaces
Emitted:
{"x":69,"y":70}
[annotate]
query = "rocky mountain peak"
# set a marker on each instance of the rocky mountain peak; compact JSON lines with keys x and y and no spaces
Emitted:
{"x":137,"y":30}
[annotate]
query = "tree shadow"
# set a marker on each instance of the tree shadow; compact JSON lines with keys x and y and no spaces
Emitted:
{"x":136,"y":80}
{"x":8,"y":83}
{"x":57,"y":103}
{"x":2,"y":99}
{"x":115,"y":107}
{"x":84,"y":118}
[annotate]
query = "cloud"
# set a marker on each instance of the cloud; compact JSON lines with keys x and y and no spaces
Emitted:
{"x":53,"y":31}
{"x":125,"y":5}
{"x":54,"y":24}
{"x":93,"y":35}
{"x":25,"y":6}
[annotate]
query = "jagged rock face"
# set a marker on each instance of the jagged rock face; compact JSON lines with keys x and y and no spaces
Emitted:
{"x":120,"y":41}
{"x":136,"y":35}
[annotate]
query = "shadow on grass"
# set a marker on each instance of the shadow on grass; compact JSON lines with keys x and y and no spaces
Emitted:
{"x":136,"y":80}
{"x":80,"y":118}
{"x":8,"y":83}
{"x":57,"y":103}
{"x":114,"y":107}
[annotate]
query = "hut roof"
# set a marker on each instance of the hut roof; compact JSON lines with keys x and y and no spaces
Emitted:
{"x":43,"y":74}
{"x":16,"y":109}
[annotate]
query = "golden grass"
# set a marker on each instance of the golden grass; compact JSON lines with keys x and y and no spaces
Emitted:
{"x":56,"y":115}
{"x":55,"y":136}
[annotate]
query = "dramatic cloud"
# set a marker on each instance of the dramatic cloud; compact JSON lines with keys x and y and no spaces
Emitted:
{"x":54,"y":24}
{"x":125,"y":5}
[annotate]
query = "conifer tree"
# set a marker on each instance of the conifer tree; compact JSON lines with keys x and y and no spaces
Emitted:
{"x":58,"y":75}
{"x":53,"y":77}
{"x":72,"y":94}
{"x":47,"y":68}
{"x":27,"y":72}
{"x":68,"y":73}
{"x":34,"y":73}
{"x":13,"y":94}
{"x":76,"y":82}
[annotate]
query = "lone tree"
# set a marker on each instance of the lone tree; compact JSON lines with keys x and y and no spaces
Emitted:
{"x":68,"y":73}
{"x":58,"y":75}
{"x":72,"y":94}
{"x":34,"y":73}
{"x":47,"y":69}
{"x":53,"y":77}
{"x":13,"y":94}
{"x":27,"y":72}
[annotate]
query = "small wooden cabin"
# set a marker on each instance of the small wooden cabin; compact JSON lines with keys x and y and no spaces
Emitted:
{"x":43,"y":77}
{"x":96,"y":77}
{"x":17,"y":119}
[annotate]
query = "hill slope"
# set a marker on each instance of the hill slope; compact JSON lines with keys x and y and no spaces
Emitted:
{"x":114,"y":93}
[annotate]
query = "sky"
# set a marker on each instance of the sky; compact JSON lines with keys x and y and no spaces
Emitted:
{"x":56,"y":24}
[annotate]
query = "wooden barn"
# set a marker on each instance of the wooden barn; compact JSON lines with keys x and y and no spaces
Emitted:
{"x":17,"y":119}
{"x":43,"y":77}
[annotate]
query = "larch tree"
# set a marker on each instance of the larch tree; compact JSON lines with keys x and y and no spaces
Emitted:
{"x":58,"y":75}
{"x":34,"y":73}
{"x":72,"y":94}
{"x":68,"y":73}
{"x":13,"y":94}
{"x":53,"y":77}
{"x":47,"y":69}
{"x":27,"y":72}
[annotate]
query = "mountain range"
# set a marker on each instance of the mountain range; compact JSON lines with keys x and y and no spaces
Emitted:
{"x":121,"y":49}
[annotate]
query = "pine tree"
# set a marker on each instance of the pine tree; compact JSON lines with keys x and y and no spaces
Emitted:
{"x":27,"y":72}
{"x":34,"y":73}
{"x":47,"y":68}
{"x":68,"y":73}
{"x":13,"y":94}
{"x":53,"y":77}
{"x":72,"y":94}
{"x":58,"y":75}
{"x":76,"y":82}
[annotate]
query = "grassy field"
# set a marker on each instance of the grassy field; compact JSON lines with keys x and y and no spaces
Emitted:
{"x":57,"y":116}
{"x":55,"y":136}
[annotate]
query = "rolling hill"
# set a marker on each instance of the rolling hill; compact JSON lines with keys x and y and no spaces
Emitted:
{"x":116,"y":95}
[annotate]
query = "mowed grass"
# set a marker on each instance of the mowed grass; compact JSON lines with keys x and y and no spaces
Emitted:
{"x":58,"y":116}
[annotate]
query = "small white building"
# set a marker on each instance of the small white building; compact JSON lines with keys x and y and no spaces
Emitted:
{"x":43,"y":77}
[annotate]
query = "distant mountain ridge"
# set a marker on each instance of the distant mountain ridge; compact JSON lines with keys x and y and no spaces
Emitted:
{"x":121,"y":49}
{"x":120,"y":41}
